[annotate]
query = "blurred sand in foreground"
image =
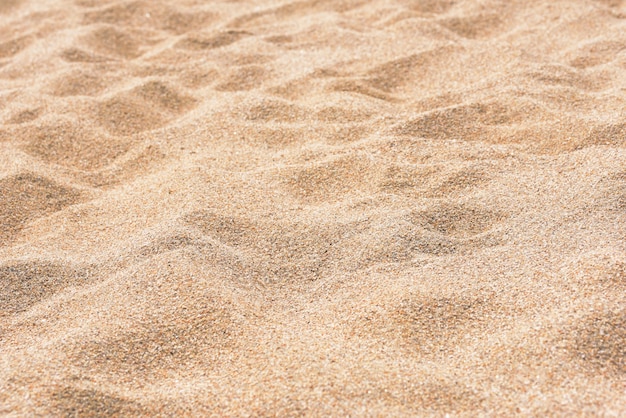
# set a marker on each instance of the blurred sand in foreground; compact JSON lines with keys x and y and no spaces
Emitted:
{"x":313,"y":207}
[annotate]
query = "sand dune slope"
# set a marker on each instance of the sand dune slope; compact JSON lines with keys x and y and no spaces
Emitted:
{"x":313,"y":208}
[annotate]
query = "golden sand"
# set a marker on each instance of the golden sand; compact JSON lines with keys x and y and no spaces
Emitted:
{"x":317,"y":208}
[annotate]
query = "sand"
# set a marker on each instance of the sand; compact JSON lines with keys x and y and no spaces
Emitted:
{"x":313,"y":208}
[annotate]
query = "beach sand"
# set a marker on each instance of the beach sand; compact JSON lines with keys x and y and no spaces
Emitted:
{"x":313,"y":208}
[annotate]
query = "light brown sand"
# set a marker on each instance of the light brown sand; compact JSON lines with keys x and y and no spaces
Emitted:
{"x":320,"y":208}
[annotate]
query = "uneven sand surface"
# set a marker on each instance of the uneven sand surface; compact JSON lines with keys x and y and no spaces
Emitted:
{"x":313,"y":207}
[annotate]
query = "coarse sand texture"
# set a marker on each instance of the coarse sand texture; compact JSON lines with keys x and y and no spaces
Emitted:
{"x":325,"y":208}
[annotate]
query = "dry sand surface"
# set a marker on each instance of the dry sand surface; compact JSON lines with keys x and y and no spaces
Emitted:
{"x":313,"y":207}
